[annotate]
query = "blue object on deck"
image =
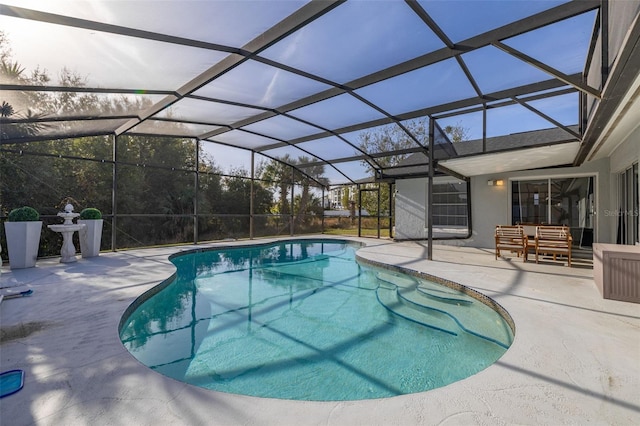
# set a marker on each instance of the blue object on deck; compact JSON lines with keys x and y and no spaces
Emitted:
{"x":21,"y":294}
{"x":15,"y":295}
{"x":11,"y":382}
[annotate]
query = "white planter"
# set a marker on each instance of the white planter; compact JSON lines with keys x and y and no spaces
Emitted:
{"x":90,"y":237}
{"x":23,"y":240}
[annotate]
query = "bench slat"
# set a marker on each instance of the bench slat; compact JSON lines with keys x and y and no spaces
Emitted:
{"x":512,"y":238}
{"x":553,"y":240}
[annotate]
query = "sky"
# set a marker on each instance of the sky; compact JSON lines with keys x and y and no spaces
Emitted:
{"x":351,"y":41}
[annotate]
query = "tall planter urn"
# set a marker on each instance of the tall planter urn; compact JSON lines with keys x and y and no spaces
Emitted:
{"x":23,"y":229}
{"x":91,"y":235}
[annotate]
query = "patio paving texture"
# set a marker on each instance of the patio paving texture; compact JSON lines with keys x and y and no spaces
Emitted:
{"x":575,"y":358}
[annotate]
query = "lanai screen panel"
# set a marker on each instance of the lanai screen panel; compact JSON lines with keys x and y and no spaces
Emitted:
{"x":227,"y":159}
{"x":356,"y":39}
{"x":290,"y":155}
{"x":468,"y":18}
{"x":330,"y":148}
{"x":243,"y":139}
{"x":308,"y":79}
{"x":259,"y":84}
{"x":345,"y":110}
{"x":171,"y":128}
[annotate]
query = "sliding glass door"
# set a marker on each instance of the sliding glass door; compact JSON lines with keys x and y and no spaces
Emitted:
{"x":629,"y":211}
{"x":530,"y":201}
{"x":556,"y":201}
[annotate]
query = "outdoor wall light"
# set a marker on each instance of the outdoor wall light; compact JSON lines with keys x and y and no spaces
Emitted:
{"x":495,"y":182}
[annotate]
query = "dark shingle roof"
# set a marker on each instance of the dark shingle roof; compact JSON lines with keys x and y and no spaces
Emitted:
{"x":417,"y":164}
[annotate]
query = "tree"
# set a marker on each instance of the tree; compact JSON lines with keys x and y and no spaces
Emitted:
{"x":210,"y":190}
{"x":282,"y":175}
{"x":237,"y":195}
{"x":385,"y":139}
{"x":278,"y":176}
{"x":390,"y":138}
{"x":5,"y":49}
{"x":6,"y":110}
{"x":305,"y":179}
{"x":158,"y":179}
{"x":457,"y":133}
{"x":12,"y":72}
{"x":346,"y":197}
{"x":236,"y":201}
{"x":156,"y":175}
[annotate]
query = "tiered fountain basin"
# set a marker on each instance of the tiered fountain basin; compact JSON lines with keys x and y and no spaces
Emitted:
{"x":68,"y":250}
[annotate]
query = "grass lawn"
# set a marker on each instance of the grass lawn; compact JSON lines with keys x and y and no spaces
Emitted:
{"x":384,"y":233}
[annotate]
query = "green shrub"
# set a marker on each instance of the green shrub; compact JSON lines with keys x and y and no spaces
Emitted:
{"x":90,"y":213}
{"x":24,"y":214}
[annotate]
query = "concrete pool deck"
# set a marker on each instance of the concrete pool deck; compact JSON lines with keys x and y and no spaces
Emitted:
{"x":575,"y":358}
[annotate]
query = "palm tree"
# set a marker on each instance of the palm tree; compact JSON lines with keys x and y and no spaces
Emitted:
{"x":11,"y":70}
{"x":6,"y":110}
{"x":316,"y":173}
{"x":278,"y":173}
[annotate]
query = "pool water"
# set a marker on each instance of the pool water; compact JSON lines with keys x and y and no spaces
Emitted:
{"x":303,"y":320}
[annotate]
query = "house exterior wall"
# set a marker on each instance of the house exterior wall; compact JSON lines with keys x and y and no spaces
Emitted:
{"x":490,"y":205}
{"x":410,"y":213}
{"x":411,"y":195}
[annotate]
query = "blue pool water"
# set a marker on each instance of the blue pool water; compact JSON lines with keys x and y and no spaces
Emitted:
{"x":303,"y":320}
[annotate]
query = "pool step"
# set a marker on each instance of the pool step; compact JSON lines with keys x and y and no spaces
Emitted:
{"x":388,"y":297}
{"x":443,"y":296}
{"x":415,"y":298}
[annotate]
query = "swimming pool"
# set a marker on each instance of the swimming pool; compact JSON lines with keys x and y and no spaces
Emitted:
{"x":303,"y":320}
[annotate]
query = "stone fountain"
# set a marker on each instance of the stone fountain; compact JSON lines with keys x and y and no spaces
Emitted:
{"x":68,"y":251}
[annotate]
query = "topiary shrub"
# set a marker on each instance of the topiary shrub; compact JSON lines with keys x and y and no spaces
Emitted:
{"x":24,"y":214}
{"x":90,"y":213}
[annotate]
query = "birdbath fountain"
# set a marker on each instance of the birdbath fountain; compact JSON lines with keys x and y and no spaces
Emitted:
{"x":68,"y":251}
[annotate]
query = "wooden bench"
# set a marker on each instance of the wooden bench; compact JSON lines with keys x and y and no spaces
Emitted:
{"x":530,"y":232}
{"x":512,"y":238}
{"x":554,"y":240}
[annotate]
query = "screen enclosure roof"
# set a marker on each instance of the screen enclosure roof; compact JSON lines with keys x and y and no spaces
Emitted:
{"x":308,"y":83}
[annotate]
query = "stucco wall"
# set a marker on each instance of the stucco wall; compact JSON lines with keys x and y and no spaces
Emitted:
{"x":410,"y":214}
{"x":410,"y":209}
{"x":490,"y":204}
{"x":489,"y":207}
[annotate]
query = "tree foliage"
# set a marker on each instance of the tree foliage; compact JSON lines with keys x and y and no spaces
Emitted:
{"x":277,"y":176}
{"x":393,"y":138}
{"x":282,"y":178}
{"x":157,"y":178}
{"x":457,"y":133}
{"x":388,"y":139}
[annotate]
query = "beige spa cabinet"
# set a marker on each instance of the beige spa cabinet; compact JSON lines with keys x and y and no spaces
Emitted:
{"x":616,"y":271}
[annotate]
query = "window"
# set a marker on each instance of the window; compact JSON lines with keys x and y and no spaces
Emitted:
{"x":450,"y":204}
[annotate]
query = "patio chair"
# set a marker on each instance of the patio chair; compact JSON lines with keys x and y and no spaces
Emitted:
{"x":554,"y":240}
{"x":512,"y":238}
